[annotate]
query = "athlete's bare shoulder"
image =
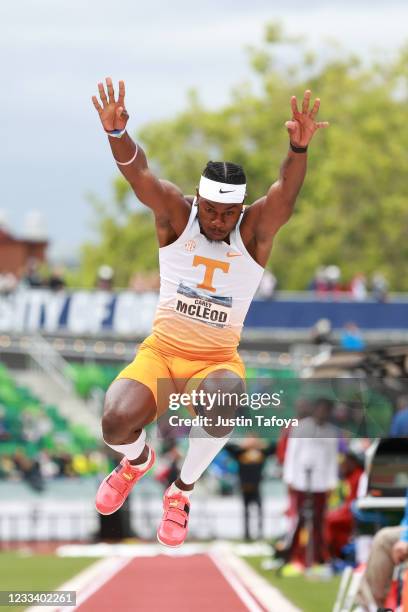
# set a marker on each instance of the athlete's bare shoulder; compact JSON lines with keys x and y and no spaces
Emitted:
{"x":176,"y":206}
{"x":190,"y":199}
{"x":172,"y":220}
{"x":250,"y":219}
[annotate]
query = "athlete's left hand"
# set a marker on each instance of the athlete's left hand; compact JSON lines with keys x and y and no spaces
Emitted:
{"x":303,"y":125}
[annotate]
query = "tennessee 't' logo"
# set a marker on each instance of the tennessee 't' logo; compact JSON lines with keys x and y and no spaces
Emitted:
{"x":210,"y":266}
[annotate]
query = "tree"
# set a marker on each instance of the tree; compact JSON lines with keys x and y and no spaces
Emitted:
{"x":127,"y":240}
{"x":352,"y":210}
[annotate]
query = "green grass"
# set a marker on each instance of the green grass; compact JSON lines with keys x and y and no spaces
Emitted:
{"x":37,"y":572}
{"x":307,"y":594}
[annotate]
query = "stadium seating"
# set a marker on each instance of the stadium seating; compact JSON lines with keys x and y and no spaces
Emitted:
{"x":30,"y":426}
{"x":87,"y":377}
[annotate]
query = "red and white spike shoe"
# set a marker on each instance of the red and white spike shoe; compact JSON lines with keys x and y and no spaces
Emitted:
{"x":173,"y":528}
{"x":118,"y":484}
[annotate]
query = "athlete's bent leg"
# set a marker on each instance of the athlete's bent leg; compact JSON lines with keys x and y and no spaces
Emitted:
{"x":206,"y":442}
{"x":129,"y":406}
{"x":204,"y":445}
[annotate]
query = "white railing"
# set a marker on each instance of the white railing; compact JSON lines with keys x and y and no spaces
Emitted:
{"x":49,"y":361}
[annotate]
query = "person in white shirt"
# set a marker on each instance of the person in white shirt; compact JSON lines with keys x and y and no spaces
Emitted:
{"x":310,"y":469}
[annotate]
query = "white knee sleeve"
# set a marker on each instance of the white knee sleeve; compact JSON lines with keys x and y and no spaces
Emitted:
{"x":202,"y":449}
{"x":133,"y":450}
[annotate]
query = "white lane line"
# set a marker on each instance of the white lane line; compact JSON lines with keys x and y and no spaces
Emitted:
{"x":87,"y":582}
{"x":235,"y":584}
{"x":267,"y":595}
{"x":112,"y":567}
{"x":129,"y":550}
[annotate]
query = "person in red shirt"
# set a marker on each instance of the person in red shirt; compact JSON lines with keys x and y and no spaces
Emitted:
{"x":339,"y":522}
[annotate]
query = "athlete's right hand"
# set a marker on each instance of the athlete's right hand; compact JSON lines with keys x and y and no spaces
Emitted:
{"x":112,"y":114}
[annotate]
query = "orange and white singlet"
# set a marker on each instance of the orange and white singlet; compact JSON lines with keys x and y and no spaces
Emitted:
{"x":205,"y":292}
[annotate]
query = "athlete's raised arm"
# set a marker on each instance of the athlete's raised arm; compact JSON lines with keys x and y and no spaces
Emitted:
{"x":162,"y":197}
{"x":270,"y":212}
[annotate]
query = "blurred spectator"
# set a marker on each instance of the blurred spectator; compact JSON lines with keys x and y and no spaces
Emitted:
{"x":49,"y":468}
{"x":267,"y":286}
{"x":390,"y":548}
{"x":351,"y":338}
{"x":4,"y":432}
{"x":358,"y":288}
{"x":145,"y":281}
{"x":339,"y":522}
{"x":80,"y":466}
{"x":333,"y":275}
{"x":318,"y":283}
{"x":31,"y":276}
{"x":8,"y":468}
{"x":138,"y":282}
{"x":347,"y":415}
{"x":321,"y":332}
{"x":56,"y":280}
{"x":30,"y":469}
{"x":223,"y":472}
{"x":310,"y":471}
{"x":303,"y":408}
{"x":251,"y":456}
{"x":399,"y":423}
{"x":97,"y":462}
{"x":54,"y":464}
{"x":154,"y":281}
{"x":379,"y":287}
{"x":326,"y":280}
{"x":34,"y":425}
{"x":104,"y":279}
{"x":169,"y":467}
{"x":8,"y":283}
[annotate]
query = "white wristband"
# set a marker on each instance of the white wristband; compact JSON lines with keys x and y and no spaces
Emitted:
{"x":130,"y":160}
{"x":116,"y":133}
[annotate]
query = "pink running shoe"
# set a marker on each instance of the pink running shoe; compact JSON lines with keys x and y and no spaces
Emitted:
{"x":118,"y":484}
{"x":173,"y":528}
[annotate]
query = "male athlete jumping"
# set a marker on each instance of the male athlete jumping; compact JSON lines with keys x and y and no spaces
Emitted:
{"x":212,"y":255}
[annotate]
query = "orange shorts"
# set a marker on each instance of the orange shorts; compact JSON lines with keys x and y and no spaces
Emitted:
{"x":165,"y":374}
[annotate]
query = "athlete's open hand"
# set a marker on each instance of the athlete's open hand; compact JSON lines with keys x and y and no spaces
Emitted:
{"x":303,"y":125}
{"x":112,"y":113}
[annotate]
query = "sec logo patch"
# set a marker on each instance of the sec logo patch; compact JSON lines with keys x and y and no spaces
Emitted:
{"x":190,"y":245}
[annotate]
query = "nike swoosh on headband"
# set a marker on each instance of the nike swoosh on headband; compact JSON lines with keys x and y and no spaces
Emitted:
{"x":229,"y":191}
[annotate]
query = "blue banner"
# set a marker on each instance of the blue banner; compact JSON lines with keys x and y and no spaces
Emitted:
{"x":126,"y":313}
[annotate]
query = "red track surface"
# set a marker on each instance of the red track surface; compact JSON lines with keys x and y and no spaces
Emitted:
{"x":166,"y":584}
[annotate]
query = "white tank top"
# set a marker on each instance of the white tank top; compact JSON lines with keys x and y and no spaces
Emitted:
{"x":206,"y":289}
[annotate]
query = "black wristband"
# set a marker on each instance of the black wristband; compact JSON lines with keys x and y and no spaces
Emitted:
{"x":297,"y":149}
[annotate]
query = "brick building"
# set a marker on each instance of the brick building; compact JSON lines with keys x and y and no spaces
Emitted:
{"x":16,"y":252}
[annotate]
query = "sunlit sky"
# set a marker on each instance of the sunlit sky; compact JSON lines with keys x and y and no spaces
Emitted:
{"x":53,"y":54}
